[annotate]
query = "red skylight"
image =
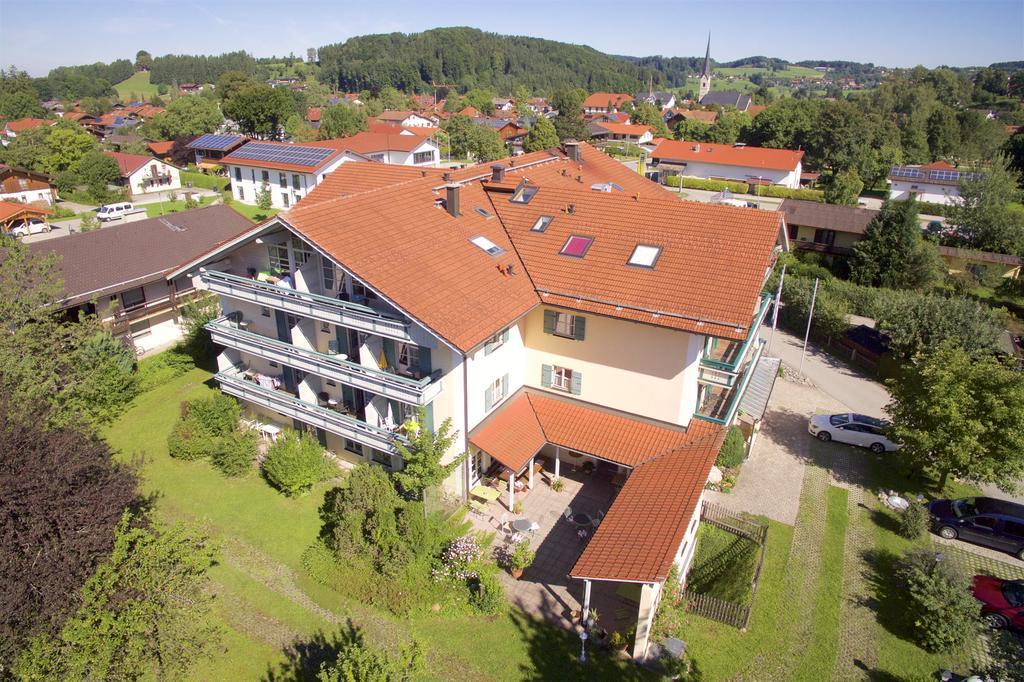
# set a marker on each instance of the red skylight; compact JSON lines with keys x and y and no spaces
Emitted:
{"x":576,"y":246}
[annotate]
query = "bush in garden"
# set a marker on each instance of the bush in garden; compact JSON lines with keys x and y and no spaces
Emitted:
{"x":458,"y":558}
{"x":294,"y":463}
{"x":486,"y":593}
{"x":234,"y":453}
{"x":914,"y":521}
{"x":218,"y":414}
{"x":190,"y":441}
{"x":944,"y":613}
{"x":733,"y":449}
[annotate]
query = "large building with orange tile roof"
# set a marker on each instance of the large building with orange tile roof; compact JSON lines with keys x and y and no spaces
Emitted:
{"x":755,"y":165}
{"x":555,"y":307}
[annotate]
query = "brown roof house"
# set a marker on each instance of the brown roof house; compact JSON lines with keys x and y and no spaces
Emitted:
{"x":825,"y":228}
{"x":25,"y":186}
{"x":573,"y":319}
{"x":118,"y":272}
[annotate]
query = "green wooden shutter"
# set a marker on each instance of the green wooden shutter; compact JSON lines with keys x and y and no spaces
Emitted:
{"x":576,"y":384}
{"x":488,"y":348}
{"x":504,"y":336}
{"x":504,"y":386}
{"x":579,"y":328}
{"x":341,"y":334}
{"x":425,"y":368}
{"x":389,"y":352}
{"x":550,"y":318}
{"x":545,"y":376}
{"x":488,"y":399}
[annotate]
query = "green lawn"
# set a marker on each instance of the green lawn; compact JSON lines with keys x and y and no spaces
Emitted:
{"x":253,"y":213}
{"x":198,"y":179}
{"x":265,"y":600}
{"x":788,"y":73}
{"x":138,"y":84}
{"x":159,"y":208}
{"x":723,"y":565}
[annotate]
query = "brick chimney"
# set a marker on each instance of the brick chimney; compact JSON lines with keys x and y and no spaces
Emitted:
{"x":452,"y":198}
{"x":497,"y":172}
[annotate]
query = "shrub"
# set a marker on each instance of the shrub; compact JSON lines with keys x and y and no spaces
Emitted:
{"x":710,"y":185}
{"x":218,"y":414}
{"x":787,"y":193}
{"x":558,"y":485}
{"x":189,"y":441}
{"x":930,"y":208}
{"x":944,"y":613}
{"x":486,"y":594}
{"x":733,"y":449}
{"x":914,"y":521}
{"x":163,"y":367}
{"x":458,"y":558}
{"x":294,"y":463}
{"x":522,"y":555}
{"x":233,"y":454}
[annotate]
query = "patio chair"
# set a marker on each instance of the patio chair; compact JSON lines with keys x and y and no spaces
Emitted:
{"x":597,"y":519}
{"x":478,"y":507}
{"x":567,"y":514}
{"x":503,"y":522}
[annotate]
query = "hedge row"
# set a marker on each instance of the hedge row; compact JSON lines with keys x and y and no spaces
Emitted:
{"x":711,"y":185}
{"x":930,"y":208}
{"x":787,"y":193}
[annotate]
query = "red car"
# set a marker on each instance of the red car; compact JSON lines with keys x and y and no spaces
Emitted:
{"x":1002,"y":601}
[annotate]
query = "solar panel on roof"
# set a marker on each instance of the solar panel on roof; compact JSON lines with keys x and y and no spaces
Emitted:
{"x":274,"y":153}
{"x":213,"y":141}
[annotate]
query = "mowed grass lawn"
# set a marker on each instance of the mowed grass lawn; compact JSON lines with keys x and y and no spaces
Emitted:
{"x":159,"y":208}
{"x":783,"y":74}
{"x":264,"y":601}
{"x":138,"y":84}
{"x":254,"y":213}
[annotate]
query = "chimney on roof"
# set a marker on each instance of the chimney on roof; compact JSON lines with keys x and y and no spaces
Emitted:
{"x":572,"y":150}
{"x":497,"y":172}
{"x":452,"y":198}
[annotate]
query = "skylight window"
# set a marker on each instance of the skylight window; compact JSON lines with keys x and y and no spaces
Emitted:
{"x":645,"y":255}
{"x":523,"y":195}
{"x":487,"y":245}
{"x":484,"y":212}
{"x":541,"y":224}
{"x":576,"y":246}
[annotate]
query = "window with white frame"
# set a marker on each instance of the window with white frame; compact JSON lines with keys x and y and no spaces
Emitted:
{"x":561,"y":378}
{"x":408,"y":355}
{"x":278,"y":258}
{"x":301,"y":251}
{"x":358,"y":289}
{"x":282,"y":179}
{"x":423,"y":157}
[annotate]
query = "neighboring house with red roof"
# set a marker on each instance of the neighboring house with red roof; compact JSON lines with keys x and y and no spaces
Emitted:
{"x":20,"y":125}
{"x":758,"y":165}
{"x":408,"y":119}
{"x":401,"y":147}
{"x":471,"y":112}
{"x":675,"y":116}
{"x":14,"y":213}
{"x":145,"y":174}
{"x":25,"y":186}
{"x":605,"y":101}
{"x":621,"y":132}
{"x":557,"y":307}
{"x":937,"y":182}
{"x":288,"y":171}
{"x":161,"y":149}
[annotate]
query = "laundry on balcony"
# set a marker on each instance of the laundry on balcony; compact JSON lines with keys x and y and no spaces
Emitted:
{"x":264,"y":380}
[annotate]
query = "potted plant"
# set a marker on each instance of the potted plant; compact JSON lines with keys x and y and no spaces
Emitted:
{"x":517,"y":508}
{"x":558,"y":485}
{"x":521,"y":559}
{"x":588,"y":467}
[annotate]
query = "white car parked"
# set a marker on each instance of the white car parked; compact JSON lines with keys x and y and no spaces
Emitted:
{"x":855,"y":429}
{"x":30,"y":226}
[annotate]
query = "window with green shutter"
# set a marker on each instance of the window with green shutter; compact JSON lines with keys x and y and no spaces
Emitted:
{"x":545,"y":376}
{"x":576,"y":385}
{"x":496,"y":342}
{"x":488,"y":399}
{"x":550,"y":318}
{"x":565,"y":325}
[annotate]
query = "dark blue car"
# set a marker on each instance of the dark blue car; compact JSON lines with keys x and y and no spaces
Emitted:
{"x":986,"y":521}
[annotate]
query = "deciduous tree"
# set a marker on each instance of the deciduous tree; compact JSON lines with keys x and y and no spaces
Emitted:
{"x":541,"y":136}
{"x":982,"y":215}
{"x":341,"y":120}
{"x":188,"y":116}
{"x":423,"y":454}
{"x":260,"y":110}
{"x":961,"y":415}
{"x":569,"y":122}
{"x":844,"y":188}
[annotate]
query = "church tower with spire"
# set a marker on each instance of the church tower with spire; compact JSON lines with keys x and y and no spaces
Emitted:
{"x":705,"y":75}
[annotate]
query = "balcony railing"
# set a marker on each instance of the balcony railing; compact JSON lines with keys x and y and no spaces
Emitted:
{"x":233,"y":383}
{"x":719,"y":403}
{"x":378,"y":382}
{"x":345,"y":313}
{"x":728,"y":357}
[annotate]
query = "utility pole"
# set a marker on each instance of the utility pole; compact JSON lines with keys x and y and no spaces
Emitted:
{"x":807,"y":334}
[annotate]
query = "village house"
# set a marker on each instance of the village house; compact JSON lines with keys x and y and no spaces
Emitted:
{"x":13,"y":128}
{"x":210,"y":149}
{"x":605,"y":101}
{"x":408,"y":119}
{"x":525,"y":302}
{"x":753,"y":165}
{"x":403,"y":147}
{"x":134,"y":299}
{"x":936,"y":182}
{"x":25,"y":186}
{"x":145,"y":174}
{"x":621,"y":132}
{"x":287,"y":171}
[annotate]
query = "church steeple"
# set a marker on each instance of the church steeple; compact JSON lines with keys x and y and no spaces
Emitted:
{"x":705,"y":75}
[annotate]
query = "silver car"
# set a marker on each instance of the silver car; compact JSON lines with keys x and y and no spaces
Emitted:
{"x":855,"y":429}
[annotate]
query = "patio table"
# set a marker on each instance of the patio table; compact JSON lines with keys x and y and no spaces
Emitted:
{"x":524,"y":525}
{"x":582,"y":519}
{"x":485,"y":493}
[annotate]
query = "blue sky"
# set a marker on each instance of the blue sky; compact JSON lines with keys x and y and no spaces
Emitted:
{"x":41,"y":34}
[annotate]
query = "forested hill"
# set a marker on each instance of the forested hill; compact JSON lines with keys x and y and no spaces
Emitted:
{"x":469,"y":58}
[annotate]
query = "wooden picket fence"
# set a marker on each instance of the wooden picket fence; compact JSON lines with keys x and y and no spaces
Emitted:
{"x":727,"y":612}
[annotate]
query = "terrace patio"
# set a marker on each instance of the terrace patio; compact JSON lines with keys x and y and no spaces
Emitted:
{"x":545,"y":589}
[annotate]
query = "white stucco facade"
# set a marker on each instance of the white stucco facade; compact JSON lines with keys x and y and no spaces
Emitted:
{"x":905,"y":189}
{"x":155,"y":176}
{"x":700,"y":169}
{"x":286,"y":186}
{"x":426,"y":154}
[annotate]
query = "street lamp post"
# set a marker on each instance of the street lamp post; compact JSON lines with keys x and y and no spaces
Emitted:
{"x":583,"y":645}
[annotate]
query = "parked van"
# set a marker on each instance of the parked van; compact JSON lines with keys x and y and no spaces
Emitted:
{"x":114,"y":211}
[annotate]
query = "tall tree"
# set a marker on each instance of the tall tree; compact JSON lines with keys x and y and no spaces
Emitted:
{"x":66,"y":144}
{"x":260,"y":110}
{"x":97,"y":171}
{"x":893,"y":253}
{"x":961,"y":415}
{"x":61,"y":497}
{"x":231,"y":82}
{"x":844,"y":188}
{"x":342,"y":120}
{"x":693,"y":130}
{"x":569,"y":123}
{"x":144,"y":614}
{"x":188,"y":116}
{"x":983,"y":216}
{"x":728,"y":127}
{"x":647,"y":114}
{"x":541,"y":136}
{"x":143,"y":61}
